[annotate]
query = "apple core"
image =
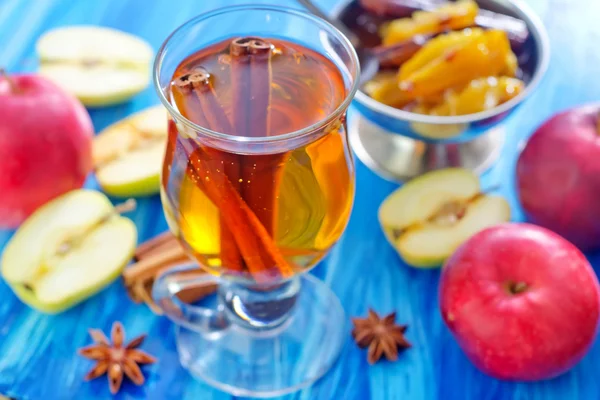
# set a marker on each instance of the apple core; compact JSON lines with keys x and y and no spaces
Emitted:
{"x":449,"y":213}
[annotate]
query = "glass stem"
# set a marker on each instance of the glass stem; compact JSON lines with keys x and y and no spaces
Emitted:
{"x":259,"y":309}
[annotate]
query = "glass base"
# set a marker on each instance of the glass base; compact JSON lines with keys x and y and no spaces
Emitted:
{"x":259,"y":363}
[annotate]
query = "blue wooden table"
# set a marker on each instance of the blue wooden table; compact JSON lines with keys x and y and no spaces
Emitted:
{"x":38,"y":353}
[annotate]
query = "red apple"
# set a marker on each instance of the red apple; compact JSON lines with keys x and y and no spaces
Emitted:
{"x":522,"y":302}
{"x":558,"y":176}
{"x":45,"y":145}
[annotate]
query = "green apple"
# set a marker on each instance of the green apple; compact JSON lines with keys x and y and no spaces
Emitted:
{"x":67,"y":250}
{"x":430,"y":216}
{"x":100,"y":66}
{"x":128,"y":155}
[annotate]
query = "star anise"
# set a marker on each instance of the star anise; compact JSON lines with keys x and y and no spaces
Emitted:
{"x":114,"y":359}
{"x":381,"y":335}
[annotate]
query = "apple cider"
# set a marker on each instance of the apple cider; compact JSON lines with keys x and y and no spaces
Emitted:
{"x":259,"y":214}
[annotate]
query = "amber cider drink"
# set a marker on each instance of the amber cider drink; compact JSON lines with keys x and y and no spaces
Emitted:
{"x":258,"y":216}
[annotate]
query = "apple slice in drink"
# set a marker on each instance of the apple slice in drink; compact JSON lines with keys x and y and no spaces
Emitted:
{"x":429,"y":217}
{"x":100,"y":66}
{"x":68,"y":250}
{"x":128,"y":155}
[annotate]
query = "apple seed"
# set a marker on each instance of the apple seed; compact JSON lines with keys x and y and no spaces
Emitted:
{"x":449,"y":213}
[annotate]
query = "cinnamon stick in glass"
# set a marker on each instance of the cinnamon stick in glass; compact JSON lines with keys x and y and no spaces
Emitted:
{"x":251,"y":79}
{"x":260,"y":253}
{"x":206,"y":108}
{"x":255,"y":244}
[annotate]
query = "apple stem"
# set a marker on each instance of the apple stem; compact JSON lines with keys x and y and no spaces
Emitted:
{"x":11,"y":83}
{"x":517,"y":287}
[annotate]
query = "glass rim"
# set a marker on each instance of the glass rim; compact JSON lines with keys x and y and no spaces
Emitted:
{"x":342,"y":107}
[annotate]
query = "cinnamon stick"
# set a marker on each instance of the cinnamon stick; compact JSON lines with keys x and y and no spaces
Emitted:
{"x":161,"y":249}
{"x":149,"y":245}
{"x":143,"y":290}
{"x":251,"y":76}
{"x":261,"y":255}
{"x":148,"y":267}
{"x":210,"y":110}
{"x":194,"y":294}
{"x":156,"y":256}
{"x":260,"y":88}
{"x":255,"y":244}
{"x":197,"y":292}
{"x":261,"y":174}
{"x":240,"y":83}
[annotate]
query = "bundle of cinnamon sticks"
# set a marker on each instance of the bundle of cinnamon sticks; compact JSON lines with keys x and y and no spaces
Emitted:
{"x":151,"y":259}
{"x":244,"y":187}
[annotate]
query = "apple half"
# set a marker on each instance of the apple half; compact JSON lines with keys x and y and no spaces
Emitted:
{"x":128,"y":155}
{"x":100,"y":66}
{"x":68,"y":250}
{"x":430,"y":216}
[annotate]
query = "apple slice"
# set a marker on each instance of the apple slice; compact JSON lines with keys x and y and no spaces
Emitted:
{"x":429,"y":217}
{"x":100,"y":66}
{"x":68,"y":250}
{"x":128,"y":155}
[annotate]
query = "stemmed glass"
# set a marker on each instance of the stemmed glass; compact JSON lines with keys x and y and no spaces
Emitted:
{"x":272,"y":334}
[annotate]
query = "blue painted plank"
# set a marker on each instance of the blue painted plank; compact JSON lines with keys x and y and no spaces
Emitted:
{"x":37,"y":352}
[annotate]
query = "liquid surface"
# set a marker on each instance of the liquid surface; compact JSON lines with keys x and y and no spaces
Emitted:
{"x":258,"y":217}
{"x":306,"y":87}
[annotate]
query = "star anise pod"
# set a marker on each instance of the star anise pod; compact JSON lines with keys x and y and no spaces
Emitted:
{"x":381,"y":335}
{"x":114,"y":359}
